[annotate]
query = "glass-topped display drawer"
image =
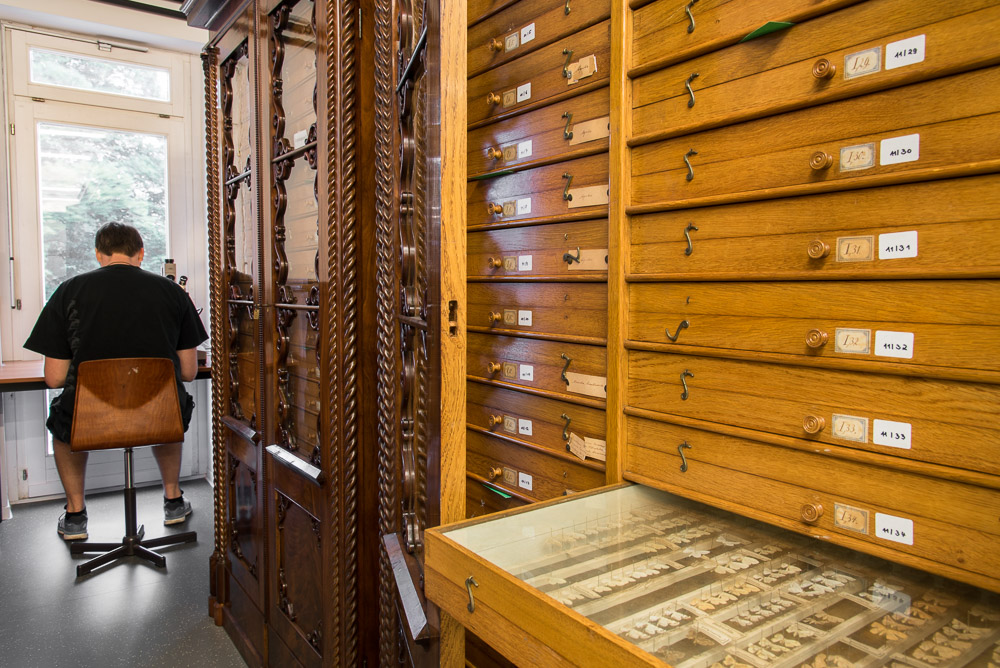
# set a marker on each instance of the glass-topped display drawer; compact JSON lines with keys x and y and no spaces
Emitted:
{"x":631,"y":575}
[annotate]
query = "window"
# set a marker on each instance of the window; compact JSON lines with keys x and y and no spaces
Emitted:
{"x":101,"y":75}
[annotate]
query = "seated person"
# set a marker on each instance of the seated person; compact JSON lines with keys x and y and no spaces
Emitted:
{"x":118,"y":310}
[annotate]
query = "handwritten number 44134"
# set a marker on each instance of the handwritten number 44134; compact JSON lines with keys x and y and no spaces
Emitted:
{"x":893,"y":532}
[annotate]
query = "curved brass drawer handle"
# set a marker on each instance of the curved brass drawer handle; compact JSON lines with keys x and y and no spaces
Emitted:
{"x":567,"y":133}
{"x":673,"y":337}
{"x":687,"y":235}
{"x":687,"y":9}
{"x":684,"y":375}
{"x":680,"y":451}
{"x":569,"y":259}
{"x":569,"y":181}
{"x":566,"y":8}
{"x":569,"y":56}
{"x":565,"y":367}
{"x":470,"y":582}
{"x":687,"y":84}
{"x":566,"y":429}
{"x":690,"y":176}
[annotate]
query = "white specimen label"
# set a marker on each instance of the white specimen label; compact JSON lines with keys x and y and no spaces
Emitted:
{"x":524,"y":318}
{"x":897,"y":245}
{"x":526,"y":372}
{"x":896,"y":529}
{"x":299,"y":138}
{"x":524,"y":427}
{"x":893,"y":434}
{"x":527,"y":33}
{"x":524,"y":149}
{"x":524,"y":480}
{"x":894,"y":344}
{"x":524,"y":92}
{"x":524,"y":263}
{"x":905,"y":52}
{"x":523,"y":206}
{"x":899,"y":149}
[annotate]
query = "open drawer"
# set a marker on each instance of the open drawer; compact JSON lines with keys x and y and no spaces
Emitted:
{"x":630,"y":575}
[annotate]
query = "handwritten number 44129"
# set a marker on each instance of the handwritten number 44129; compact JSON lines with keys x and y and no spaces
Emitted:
{"x":905,"y":52}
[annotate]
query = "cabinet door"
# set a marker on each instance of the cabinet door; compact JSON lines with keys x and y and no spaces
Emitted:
{"x":420,"y":276}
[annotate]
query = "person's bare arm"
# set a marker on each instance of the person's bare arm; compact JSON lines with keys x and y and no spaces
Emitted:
{"x":56,"y":371}
{"x":189,"y":363}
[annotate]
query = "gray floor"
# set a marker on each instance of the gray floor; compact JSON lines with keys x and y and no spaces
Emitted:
{"x":132,"y":613}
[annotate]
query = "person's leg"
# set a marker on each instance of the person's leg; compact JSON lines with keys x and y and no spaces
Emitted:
{"x":72,"y":468}
{"x":168,"y":458}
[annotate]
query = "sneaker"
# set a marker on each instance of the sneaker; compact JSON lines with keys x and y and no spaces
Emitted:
{"x":176,"y":512}
{"x":73,"y":528}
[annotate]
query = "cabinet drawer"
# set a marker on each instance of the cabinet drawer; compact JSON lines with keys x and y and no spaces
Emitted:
{"x":527,"y":26}
{"x":946,"y":127}
{"x":577,"y":189}
{"x":478,"y":10}
{"x":540,"y":78}
{"x":843,"y":54}
{"x":947,"y":522}
{"x":548,"y":423}
{"x":933,"y":324}
{"x":540,"y":251}
{"x":527,"y":471}
{"x":952,"y":228}
{"x":571,"y":128}
{"x":540,"y":366}
{"x":576,"y":311}
{"x":483,"y":498}
{"x":918,"y":419}
{"x":664,"y":33}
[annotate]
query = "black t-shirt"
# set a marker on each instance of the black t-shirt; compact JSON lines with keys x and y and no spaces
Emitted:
{"x":115,"y":311}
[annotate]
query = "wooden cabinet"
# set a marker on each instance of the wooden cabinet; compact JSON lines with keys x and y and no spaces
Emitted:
{"x":563,"y":251}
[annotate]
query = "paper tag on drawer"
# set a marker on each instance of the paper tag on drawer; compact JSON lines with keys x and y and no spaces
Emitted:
{"x":894,"y":344}
{"x":589,"y":196}
{"x":527,"y":33}
{"x":511,"y":42}
{"x":594,"y":259}
{"x":892,"y":434}
{"x":861,"y":156}
{"x":523,"y":206}
{"x":905,"y":52}
{"x":596,"y":448}
{"x":855,"y":249}
{"x":524,"y":263}
{"x":854,"y":341}
{"x":581,"y":69}
{"x":526,"y":372}
{"x":850,"y":428}
{"x":524,"y":92}
{"x":860,"y":63}
{"x":524,"y":149}
{"x":896,"y":529}
{"x":524,"y":318}
{"x":577,"y":446}
{"x":899,"y":149}
{"x":897,"y":245}
{"x":849,"y":517}
{"x":592,"y":386}
{"x":524,"y":427}
{"x":524,"y":480}
{"x":599,"y":128}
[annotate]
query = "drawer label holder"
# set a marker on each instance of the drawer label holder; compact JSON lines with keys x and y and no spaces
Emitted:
{"x":850,"y":518}
{"x":862,"y":63}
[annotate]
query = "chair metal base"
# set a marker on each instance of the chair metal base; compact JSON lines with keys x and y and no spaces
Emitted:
{"x":132,"y":544}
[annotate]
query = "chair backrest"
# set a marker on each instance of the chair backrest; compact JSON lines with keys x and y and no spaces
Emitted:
{"x":125,"y":402}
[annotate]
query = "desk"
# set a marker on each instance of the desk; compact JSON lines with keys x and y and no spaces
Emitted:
{"x":29,"y":375}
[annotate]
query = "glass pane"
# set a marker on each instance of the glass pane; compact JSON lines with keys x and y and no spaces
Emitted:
{"x":90,"y":176}
{"x":99,"y":75}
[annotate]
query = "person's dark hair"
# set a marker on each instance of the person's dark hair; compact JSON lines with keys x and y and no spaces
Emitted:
{"x":118,"y":238}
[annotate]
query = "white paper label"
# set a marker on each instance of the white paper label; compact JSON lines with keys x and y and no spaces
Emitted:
{"x":899,"y":149}
{"x":524,"y":149}
{"x":524,"y":480}
{"x":596,"y":448}
{"x":524,"y":427}
{"x":896,"y":529}
{"x":524,"y":263}
{"x":524,"y":92}
{"x":523,"y":206}
{"x":905,"y":52}
{"x":526,"y":372}
{"x":894,"y":344}
{"x":524,"y":318}
{"x":577,"y":446}
{"x":299,"y":138}
{"x":850,"y":428}
{"x":527,"y":33}
{"x":511,"y":42}
{"x":592,"y":386}
{"x":893,"y":434}
{"x":897,"y":245}
{"x":864,"y":62}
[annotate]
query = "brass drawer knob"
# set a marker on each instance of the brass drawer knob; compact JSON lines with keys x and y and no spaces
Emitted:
{"x":811,"y":512}
{"x":816,"y":338}
{"x":493,"y":367}
{"x":824,"y":69}
{"x":494,"y":317}
{"x":494,"y":209}
{"x":494,"y":473}
{"x":817,"y":249}
{"x":494,"y":153}
{"x":493,"y":98}
{"x":495,"y":45}
{"x":494,"y":420}
{"x":820,"y":160}
{"x":495,"y":262}
{"x":813,"y":424}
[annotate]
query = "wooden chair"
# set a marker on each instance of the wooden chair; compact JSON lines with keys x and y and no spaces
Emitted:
{"x":126,"y":403}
